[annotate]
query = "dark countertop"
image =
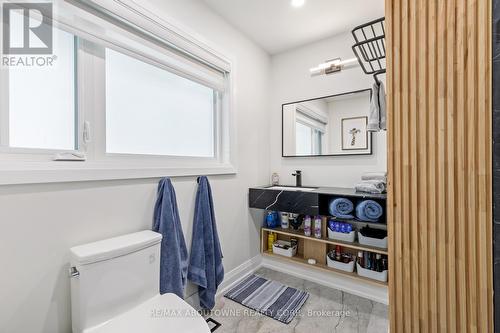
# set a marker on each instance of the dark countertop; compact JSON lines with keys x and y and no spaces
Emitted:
{"x":338,"y":191}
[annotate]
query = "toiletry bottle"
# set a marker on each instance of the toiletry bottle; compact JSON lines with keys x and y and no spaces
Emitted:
{"x":338,"y":253}
{"x":378,"y":263}
{"x":317,"y":227}
{"x":275,"y":179}
{"x":284,"y":221}
{"x":271,"y":238}
{"x":384,"y":264}
{"x":331,"y":225}
{"x":269,"y":219}
{"x":307,"y":225}
{"x":360,"y":258}
{"x":366,"y":260}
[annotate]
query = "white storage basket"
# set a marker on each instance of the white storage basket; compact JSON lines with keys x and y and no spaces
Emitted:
{"x":367,"y":273}
{"x":341,"y":236}
{"x":349,"y":267}
{"x":370,"y":241}
{"x":290,"y":252}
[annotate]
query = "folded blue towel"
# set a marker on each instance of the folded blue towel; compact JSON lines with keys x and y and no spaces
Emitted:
{"x":205,"y":264}
{"x":341,"y":208}
{"x":174,"y":256}
{"x":369,"y":210}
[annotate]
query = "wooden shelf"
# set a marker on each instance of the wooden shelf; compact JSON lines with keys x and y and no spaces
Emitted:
{"x":300,"y":234}
{"x":303,"y":262}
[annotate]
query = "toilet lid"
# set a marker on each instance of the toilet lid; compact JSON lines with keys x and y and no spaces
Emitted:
{"x":160,"y":314}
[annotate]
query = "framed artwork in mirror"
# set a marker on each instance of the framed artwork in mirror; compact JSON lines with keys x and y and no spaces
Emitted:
{"x":354,"y":133}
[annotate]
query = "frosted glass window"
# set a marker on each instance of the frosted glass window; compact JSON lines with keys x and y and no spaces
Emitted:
{"x":42,"y":108}
{"x":154,"y":112}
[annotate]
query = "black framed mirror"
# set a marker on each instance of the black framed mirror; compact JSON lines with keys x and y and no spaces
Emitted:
{"x":334,"y":125}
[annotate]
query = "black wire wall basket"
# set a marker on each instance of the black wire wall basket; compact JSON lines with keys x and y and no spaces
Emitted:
{"x":370,"y":47}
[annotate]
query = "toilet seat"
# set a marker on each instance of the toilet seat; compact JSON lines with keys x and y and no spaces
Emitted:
{"x":160,"y":314}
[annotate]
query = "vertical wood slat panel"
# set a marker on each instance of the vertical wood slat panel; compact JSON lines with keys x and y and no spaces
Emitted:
{"x":439,"y":205}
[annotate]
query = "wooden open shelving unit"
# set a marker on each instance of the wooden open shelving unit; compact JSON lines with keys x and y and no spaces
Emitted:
{"x":316,"y":248}
{"x":316,"y":203}
{"x":300,"y":234}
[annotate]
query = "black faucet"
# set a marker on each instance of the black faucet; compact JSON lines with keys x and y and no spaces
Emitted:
{"x":298,"y":178}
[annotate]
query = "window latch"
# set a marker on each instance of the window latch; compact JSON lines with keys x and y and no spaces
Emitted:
{"x":86,"y":132}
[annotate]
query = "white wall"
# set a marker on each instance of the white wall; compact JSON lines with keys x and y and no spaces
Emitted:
{"x":291,"y":81}
{"x":39,"y":223}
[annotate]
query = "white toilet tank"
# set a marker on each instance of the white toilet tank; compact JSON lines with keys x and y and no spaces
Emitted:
{"x":112,"y":276}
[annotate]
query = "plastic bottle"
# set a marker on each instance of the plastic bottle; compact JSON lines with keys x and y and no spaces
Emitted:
{"x":317,"y":227}
{"x":331,"y":225}
{"x":378,"y":263}
{"x":307,"y":225}
{"x":284,"y":221}
{"x":338,"y":253}
{"x":384,"y":264}
{"x":271,"y":238}
{"x":275,"y":178}
{"x":360,"y":259}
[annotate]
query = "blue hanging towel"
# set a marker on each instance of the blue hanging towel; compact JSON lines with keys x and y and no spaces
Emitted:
{"x":341,"y":208}
{"x":174,"y":256}
{"x":205,"y":264}
{"x":369,"y":210}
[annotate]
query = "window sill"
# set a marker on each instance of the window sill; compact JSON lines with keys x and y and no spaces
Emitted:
{"x":56,"y":172}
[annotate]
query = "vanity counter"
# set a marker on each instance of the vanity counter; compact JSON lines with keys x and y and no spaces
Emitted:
{"x":312,"y":202}
{"x":336,"y":191}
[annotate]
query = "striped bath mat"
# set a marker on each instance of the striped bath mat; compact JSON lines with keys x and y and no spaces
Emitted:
{"x":270,"y":298}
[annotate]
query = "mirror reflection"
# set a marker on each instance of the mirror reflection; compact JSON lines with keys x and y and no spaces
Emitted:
{"x":331,"y":125}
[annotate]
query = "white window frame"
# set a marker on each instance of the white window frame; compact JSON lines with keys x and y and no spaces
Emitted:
{"x":21,"y":166}
{"x":20,"y":154}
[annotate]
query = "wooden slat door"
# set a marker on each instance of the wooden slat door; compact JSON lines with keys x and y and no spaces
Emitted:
{"x":439,"y":137}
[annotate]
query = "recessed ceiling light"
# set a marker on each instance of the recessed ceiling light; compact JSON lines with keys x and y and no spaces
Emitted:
{"x":298,"y":3}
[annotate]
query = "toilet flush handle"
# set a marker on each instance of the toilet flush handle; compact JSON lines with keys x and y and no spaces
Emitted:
{"x":73,"y":272}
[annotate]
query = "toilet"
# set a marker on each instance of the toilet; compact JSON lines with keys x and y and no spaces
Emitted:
{"x":115,"y":288}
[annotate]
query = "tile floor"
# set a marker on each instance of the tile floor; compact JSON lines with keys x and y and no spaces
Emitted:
{"x":326,"y":311}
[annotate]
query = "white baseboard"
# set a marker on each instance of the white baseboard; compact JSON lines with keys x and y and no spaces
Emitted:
{"x":239,"y":273}
{"x":330,"y":279}
{"x":230,"y":278}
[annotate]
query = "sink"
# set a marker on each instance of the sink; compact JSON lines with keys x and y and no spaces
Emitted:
{"x":291,"y":188}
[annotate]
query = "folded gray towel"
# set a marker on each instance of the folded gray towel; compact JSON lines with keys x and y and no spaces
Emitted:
{"x":382,"y":176}
{"x":371,"y":186}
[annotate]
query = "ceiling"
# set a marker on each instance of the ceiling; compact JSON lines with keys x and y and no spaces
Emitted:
{"x":277,"y":26}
